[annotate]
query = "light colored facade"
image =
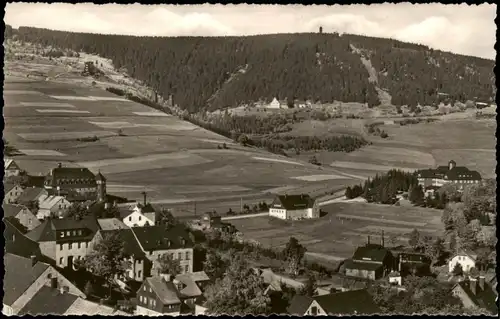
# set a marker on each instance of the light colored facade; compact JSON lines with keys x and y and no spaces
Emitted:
{"x":67,"y":252}
{"x":52,"y":205}
{"x":466,"y":261}
{"x":315,"y":309}
{"x":137,"y":219}
{"x":184,"y":255}
{"x":11,"y":168}
{"x":25,"y":216}
{"x":12,"y":194}
{"x":303,"y":211}
{"x":275,"y":104}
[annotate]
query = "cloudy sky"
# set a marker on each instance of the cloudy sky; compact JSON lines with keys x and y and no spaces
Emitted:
{"x":462,"y":29}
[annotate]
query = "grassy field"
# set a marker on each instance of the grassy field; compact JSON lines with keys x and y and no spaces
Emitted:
{"x":176,"y":162}
{"x":344,"y":227}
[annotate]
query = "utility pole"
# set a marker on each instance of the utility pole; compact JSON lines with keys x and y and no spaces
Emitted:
{"x":195,"y":209}
{"x":241,"y":204}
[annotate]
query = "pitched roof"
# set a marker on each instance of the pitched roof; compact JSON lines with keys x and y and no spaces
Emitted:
{"x":82,"y":306}
{"x":299,"y":305}
{"x":484,"y":298}
{"x":348,"y":302}
{"x":131,"y":246}
{"x":17,"y":243}
{"x":111,"y":224}
{"x":76,"y":173}
{"x":19,"y":276}
{"x":165,"y":290}
{"x":48,"y":301}
{"x":47,"y":230}
{"x":8,"y":162}
{"x":462,"y":173}
{"x":30,"y":194}
{"x":35,"y":181}
{"x":48,"y":201}
{"x":371,"y":252}
{"x":100,"y":177}
{"x":162,"y":237}
{"x":10,"y":210}
{"x":189,"y":287}
{"x":293,"y":202}
{"x":7,"y":187}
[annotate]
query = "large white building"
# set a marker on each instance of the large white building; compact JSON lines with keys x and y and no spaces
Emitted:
{"x":451,"y":174}
{"x":294,"y":207}
{"x":466,"y":260}
{"x":275,"y":104}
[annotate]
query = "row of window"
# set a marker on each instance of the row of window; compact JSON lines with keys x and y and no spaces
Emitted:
{"x":77,"y":245}
{"x":179,"y":255}
{"x":145,"y":300}
{"x":71,"y":233}
{"x":74,"y":181}
{"x":61,"y":260}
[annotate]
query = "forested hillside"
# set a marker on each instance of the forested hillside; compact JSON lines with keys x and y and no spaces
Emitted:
{"x":208,"y":73}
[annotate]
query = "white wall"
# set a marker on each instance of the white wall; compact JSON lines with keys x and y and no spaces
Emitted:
{"x":278,"y":213}
{"x":465,"y":261}
{"x":136,"y":219}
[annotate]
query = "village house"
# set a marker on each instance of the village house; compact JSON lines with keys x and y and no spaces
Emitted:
{"x":414,"y":264}
{"x":25,"y":277}
{"x":451,"y":174}
{"x":371,"y":261}
{"x":11,"y":192}
{"x":31,"y":195}
{"x":275,"y":104}
{"x":158,"y":296}
{"x":49,"y":205}
{"x":22,"y":214}
{"x":159,"y":240}
{"x":11,"y":168}
{"x":18,"y":244}
{"x":190,"y":287}
{"x":465,"y":259}
{"x":65,"y":240}
{"x":355,"y":302}
{"x":476,"y":293}
{"x":111,"y":224}
{"x":140,"y":266}
{"x":76,"y":184}
{"x":139,"y":216}
{"x":294,"y":207}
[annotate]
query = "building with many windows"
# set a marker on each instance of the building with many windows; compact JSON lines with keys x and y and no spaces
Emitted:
{"x":294,"y":207}
{"x":451,"y":174}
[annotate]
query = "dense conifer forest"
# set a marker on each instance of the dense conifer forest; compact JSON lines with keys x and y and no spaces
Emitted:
{"x":208,"y":73}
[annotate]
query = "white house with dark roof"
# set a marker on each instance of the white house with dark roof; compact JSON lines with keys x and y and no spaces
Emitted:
{"x":160,"y":240}
{"x":465,"y":259}
{"x":275,"y":104}
{"x":451,"y":174}
{"x":139,"y":216}
{"x":294,"y":207}
{"x":11,"y":168}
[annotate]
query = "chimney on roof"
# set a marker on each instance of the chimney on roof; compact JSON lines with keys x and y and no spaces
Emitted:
{"x":382,"y":239}
{"x":368,"y":239}
{"x":33,"y":260}
{"x":59,"y":165}
{"x":53,"y":282}
{"x":473,"y":285}
{"x":481,"y":281}
{"x":144,"y":194}
{"x":400,"y":262}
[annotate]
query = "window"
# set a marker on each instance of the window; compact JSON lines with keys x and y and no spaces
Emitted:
{"x":186,"y":268}
{"x":140,"y":218}
{"x":144,"y":287}
{"x":130,"y":219}
{"x":139,"y":273}
{"x":150,"y":253}
{"x":86,"y":245}
{"x":61,"y":261}
{"x":154,"y":303}
{"x":179,"y":256}
{"x":29,"y":221}
{"x":187,"y":255}
{"x":151,"y":302}
{"x":80,"y":232}
{"x":79,"y":245}
{"x":60,"y":246}
{"x":140,"y":299}
{"x":150,"y":290}
{"x":74,"y":233}
{"x":314,"y":310}
{"x":70,"y":246}
{"x":68,"y":233}
{"x":145,"y":300}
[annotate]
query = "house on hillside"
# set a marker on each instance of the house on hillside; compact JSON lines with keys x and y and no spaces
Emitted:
{"x":476,"y":293}
{"x":11,"y":168}
{"x":371,"y":261}
{"x":294,"y":207}
{"x":11,"y":192}
{"x":76,"y":184}
{"x":65,"y":240}
{"x":159,"y":240}
{"x":413,"y":264}
{"x":50,"y":205}
{"x":451,"y":174}
{"x":30,"y":195}
{"x":22,"y":214}
{"x":465,"y":259}
{"x":17,"y":243}
{"x":211,"y":219}
{"x":25,"y":277}
{"x":355,"y":302}
{"x":275,"y":104}
{"x":158,"y":296}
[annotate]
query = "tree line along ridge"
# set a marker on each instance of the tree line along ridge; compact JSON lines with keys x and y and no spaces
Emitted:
{"x":210,"y":73}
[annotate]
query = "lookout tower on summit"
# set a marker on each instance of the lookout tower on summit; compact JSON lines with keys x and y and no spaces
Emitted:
{"x":320,"y":30}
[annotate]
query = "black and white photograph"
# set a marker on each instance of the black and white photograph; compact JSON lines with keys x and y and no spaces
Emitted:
{"x":249,"y":159}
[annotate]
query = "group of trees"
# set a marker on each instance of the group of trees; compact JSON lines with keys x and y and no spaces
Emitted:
{"x":384,"y":188}
{"x":218,"y":72}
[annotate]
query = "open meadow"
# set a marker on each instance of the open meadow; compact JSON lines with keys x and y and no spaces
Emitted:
{"x":344,"y":227}
{"x":140,"y":149}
